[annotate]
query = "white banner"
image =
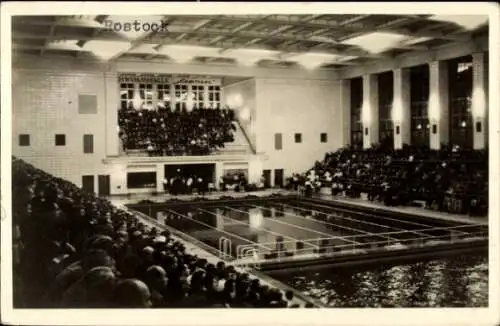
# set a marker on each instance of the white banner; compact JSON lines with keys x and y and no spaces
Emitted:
{"x":167,"y":79}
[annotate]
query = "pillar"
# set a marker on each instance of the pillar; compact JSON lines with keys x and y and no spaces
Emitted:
{"x":160,"y":175}
{"x":254,"y":169}
{"x":369,"y":111}
{"x":479,"y":100}
{"x":438,"y":104}
{"x":401,"y":115}
{"x":219,"y":172}
{"x":111,"y":106}
{"x":345,"y":108}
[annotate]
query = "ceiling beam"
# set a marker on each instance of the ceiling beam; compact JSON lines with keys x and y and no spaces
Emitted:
{"x":179,"y":38}
{"x":236,"y":30}
{"x":342,"y":23}
{"x":100,"y":19}
{"x":364,"y":27}
{"x":64,"y":21}
{"x":105,"y":37}
{"x":240,"y":28}
{"x":255,"y":36}
{"x":280,"y":30}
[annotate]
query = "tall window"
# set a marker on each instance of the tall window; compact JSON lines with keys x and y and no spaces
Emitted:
{"x":460,"y":101}
{"x":214,"y":97}
{"x":164,"y":95}
{"x":199,"y":95}
{"x":181,"y":94}
{"x":88,"y":144}
{"x":278,"y":142}
{"x":419,"y":101}
{"x":126,"y":94}
{"x":386,"y":94}
{"x":146,"y":92}
{"x":356,"y":104}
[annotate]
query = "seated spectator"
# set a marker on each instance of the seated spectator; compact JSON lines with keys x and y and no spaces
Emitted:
{"x":442,"y":179}
{"x":132,"y":293}
{"x":163,"y":132}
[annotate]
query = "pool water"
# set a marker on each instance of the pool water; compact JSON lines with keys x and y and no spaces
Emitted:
{"x":261,"y":223}
{"x":451,"y":282}
{"x":460,"y":281}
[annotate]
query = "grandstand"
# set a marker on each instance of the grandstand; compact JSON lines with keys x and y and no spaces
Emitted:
{"x":201,"y":165}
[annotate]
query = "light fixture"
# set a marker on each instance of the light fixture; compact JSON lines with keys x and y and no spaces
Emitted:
{"x":105,"y":50}
{"x":245,"y":114}
{"x":313,"y":60}
{"x":250,"y":57}
{"x":376,"y":42}
{"x":185,"y":53}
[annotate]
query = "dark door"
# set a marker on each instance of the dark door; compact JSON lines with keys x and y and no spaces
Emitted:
{"x":88,"y":183}
{"x":278,"y":178}
{"x":104,"y":185}
{"x":267,"y":178}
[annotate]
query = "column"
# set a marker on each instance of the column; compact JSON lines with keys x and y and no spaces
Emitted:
{"x":111,"y":106}
{"x":205,"y":96}
{"x":369,"y":113}
{"x":438,"y":104}
{"x":345,"y":109}
{"x":401,"y":115}
{"x":219,"y":172}
{"x":479,"y":100}
{"x":160,"y":175}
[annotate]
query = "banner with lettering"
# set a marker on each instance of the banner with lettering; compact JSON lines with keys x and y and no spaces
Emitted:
{"x":167,"y":79}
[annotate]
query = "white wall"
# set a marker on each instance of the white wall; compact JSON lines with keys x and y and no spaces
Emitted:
{"x":242,"y":98}
{"x":307,"y":106}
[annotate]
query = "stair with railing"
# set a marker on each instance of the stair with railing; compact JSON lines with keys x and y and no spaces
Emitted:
{"x":241,"y":143}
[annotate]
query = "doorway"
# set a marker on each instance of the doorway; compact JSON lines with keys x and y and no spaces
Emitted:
{"x":88,"y":184}
{"x":278,"y":178}
{"x":104,"y":185}
{"x":267,"y":178}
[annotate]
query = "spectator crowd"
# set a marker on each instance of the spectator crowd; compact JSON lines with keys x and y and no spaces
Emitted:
{"x":74,"y":250}
{"x":164,"y":132}
{"x":449,"y":179}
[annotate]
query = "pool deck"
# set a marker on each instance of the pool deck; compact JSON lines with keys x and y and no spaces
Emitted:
{"x":457,"y":218}
{"x":160,"y":198}
{"x":463,"y":219}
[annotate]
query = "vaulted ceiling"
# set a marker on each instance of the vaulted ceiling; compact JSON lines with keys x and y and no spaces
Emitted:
{"x":312,"y":41}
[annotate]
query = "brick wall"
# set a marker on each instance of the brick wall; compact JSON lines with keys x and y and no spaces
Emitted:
{"x":45,"y":103}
